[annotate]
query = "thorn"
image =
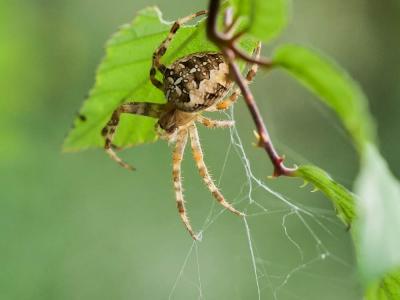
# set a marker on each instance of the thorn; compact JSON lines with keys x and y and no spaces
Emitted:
{"x":315,"y":190}
{"x":281,"y":159}
{"x":304,"y":184}
{"x":258,"y":138}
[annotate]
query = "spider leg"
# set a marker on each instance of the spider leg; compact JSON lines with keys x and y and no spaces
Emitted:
{"x":199,"y":159}
{"x":160,"y":51}
{"x":138,"y":108}
{"x":180,"y":145}
{"x":225,"y":104}
{"x":214,"y":123}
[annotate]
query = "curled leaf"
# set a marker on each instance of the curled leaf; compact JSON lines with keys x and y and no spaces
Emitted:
{"x":342,"y":198}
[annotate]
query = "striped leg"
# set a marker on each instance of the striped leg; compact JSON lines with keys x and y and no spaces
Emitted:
{"x":225,"y":104}
{"x":160,"y":51}
{"x":199,"y":159}
{"x":139,"y":108}
{"x":215,"y":123}
{"x":177,"y":176}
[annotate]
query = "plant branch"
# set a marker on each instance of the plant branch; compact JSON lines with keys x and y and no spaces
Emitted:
{"x":227,"y":43}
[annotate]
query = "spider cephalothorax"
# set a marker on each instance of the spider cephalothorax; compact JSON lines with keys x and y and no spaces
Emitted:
{"x":192,"y":84}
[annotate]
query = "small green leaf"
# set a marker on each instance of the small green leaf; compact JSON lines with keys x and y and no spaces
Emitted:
{"x":264,"y":19}
{"x":378,"y":222}
{"x":334,"y":87}
{"x":342,"y":198}
{"x":387,"y":289}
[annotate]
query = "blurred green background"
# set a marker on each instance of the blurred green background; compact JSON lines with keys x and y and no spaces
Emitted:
{"x":76,"y":226}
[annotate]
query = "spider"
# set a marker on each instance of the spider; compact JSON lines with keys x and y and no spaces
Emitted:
{"x":192,"y":85}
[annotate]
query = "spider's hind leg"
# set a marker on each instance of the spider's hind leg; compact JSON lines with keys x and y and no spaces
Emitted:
{"x":137,"y":108}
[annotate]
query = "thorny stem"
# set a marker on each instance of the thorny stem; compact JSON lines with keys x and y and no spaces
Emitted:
{"x":227,"y":44}
{"x":223,"y":40}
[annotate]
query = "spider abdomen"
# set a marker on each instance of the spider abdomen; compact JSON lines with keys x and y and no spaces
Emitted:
{"x":197,"y":81}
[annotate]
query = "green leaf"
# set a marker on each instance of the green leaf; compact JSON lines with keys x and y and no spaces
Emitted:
{"x":378,"y":222}
{"x":264,"y":19}
{"x":334,"y":87}
{"x":387,"y":289}
{"x":123,"y":76}
{"x":342,"y":198}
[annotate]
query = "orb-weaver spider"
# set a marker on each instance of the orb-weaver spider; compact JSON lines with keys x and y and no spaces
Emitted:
{"x":192,"y":84}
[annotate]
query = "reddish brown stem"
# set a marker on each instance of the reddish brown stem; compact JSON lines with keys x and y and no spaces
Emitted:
{"x":228,"y":46}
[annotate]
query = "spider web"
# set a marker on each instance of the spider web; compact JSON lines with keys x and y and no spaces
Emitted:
{"x":315,"y":222}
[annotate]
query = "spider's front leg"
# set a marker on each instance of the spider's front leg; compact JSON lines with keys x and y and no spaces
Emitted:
{"x":137,"y":108}
{"x":160,"y":51}
{"x":214,"y":123}
{"x":225,"y":104}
